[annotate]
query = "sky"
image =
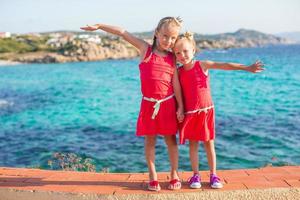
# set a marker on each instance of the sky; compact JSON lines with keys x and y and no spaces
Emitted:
{"x":200,"y":16}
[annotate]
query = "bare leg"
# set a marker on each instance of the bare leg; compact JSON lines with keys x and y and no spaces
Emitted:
{"x":215,"y":181}
{"x":170,"y":140}
{"x":150,"y":156}
{"x":211,"y":155}
{"x":194,"y":156}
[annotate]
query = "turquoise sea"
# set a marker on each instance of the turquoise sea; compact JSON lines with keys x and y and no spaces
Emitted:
{"x":90,"y":108}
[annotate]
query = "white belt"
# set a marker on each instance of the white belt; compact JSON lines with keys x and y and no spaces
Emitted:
{"x":157,"y":103}
{"x":199,"y":110}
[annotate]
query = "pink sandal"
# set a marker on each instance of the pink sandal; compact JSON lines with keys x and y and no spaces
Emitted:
{"x":174,"y":184}
{"x":154,"y":186}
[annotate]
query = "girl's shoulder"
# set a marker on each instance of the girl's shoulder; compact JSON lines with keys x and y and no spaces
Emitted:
{"x":148,"y":54}
{"x":198,"y":62}
{"x":149,"y":49}
{"x":202,"y":66}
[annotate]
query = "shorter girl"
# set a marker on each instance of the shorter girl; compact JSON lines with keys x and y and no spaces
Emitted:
{"x":199,"y":122}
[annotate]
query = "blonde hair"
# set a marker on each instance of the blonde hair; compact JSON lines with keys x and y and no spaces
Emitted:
{"x":189,"y":36}
{"x":177,"y":21}
{"x":169,"y":20}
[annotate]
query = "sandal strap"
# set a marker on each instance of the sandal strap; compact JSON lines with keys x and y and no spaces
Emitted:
{"x":153,"y":183}
{"x":174,"y":181}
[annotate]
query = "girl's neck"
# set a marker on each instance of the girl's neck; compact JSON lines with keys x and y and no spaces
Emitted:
{"x":160,"y":51}
{"x":189,"y":65}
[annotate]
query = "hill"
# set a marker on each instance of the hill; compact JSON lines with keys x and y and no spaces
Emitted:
{"x":73,"y":46}
{"x":294,"y":36}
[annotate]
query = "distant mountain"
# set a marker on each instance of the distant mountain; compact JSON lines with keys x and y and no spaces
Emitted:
{"x":295,"y":36}
{"x":145,"y":34}
{"x":240,"y":38}
{"x":239,"y":34}
{"x":252,"y":37}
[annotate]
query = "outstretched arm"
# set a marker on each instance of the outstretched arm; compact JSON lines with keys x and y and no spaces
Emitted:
{"x":178,"y":96}
{"x":140,"y":44}
{"x":254,"y":68}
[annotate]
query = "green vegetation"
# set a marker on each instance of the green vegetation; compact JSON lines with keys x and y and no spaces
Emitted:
{"x":24,"y":44}
{"x":71,"y":162}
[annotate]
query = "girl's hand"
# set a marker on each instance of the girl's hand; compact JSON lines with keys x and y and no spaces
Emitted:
{"x":90,"y":28}
{"x":256,"y":67}
{"x":180,"y":115}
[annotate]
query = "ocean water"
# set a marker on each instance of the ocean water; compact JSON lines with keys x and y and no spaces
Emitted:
{"x":90,"y":108}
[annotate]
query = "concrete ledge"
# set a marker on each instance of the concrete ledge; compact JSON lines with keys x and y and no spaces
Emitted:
{"x":253,"y":194}
{"x":262,"y":183}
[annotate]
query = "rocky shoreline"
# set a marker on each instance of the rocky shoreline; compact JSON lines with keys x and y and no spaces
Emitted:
{"x":83,"y":52}
{"x":6,"y":63}
{"x":74,"y":47}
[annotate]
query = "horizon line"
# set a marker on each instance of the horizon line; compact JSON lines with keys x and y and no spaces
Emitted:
{"x":31,"y":32}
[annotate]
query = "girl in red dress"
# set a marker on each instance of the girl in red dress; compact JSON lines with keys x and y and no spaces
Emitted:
{"x":159,"y":84}
{"x":199,"y":121}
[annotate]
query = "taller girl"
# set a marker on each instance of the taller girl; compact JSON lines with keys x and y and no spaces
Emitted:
{"x":159,"y":85}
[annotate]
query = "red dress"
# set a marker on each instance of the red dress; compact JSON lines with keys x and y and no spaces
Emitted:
{"x":156,"y":74}
{"x":197,"y":125}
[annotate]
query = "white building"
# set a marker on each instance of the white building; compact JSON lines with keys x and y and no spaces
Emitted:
{"x":5,"y":34}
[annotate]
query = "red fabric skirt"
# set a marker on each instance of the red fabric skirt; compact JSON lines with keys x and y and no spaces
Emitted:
{"x":164,"y":123}
{"x":198,"y":127}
